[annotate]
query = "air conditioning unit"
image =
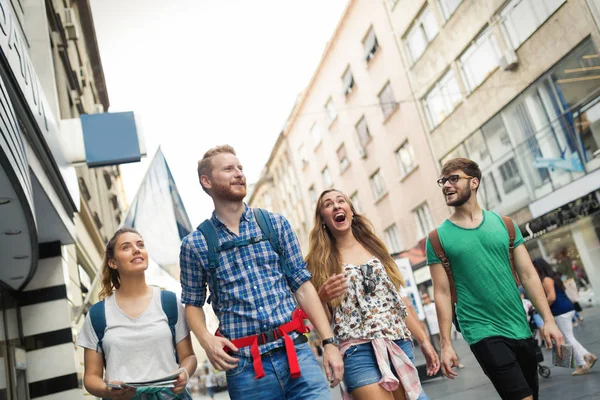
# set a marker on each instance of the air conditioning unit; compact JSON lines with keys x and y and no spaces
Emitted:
{"x":509,"y":60}
{"x":70,"y":24}
{"x":362,"y":152}
{"x":98,"y":108}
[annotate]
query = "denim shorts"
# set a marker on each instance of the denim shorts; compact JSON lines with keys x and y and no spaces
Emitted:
{"x":361,"y":369}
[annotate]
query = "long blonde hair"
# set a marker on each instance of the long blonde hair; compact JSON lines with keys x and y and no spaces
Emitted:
{"x":111,"y":280}
{"x":324,"y":259}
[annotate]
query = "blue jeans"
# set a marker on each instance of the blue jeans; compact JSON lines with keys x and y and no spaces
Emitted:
{"x":361,"y":369}
{"x":278,"y":384}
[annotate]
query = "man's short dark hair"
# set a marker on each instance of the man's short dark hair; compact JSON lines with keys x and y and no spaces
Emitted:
{"x":469,"y":167}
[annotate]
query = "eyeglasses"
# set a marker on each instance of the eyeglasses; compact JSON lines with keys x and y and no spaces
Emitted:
{"x":453,"y":179}
{"x":368,"y":282}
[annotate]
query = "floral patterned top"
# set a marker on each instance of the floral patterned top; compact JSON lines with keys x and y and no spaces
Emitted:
{"x":377,"y":314}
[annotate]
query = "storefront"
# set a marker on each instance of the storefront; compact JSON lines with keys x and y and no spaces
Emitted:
{"x":568,"y":238}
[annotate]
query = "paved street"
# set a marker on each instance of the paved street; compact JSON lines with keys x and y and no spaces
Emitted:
{"x":472,"y":384}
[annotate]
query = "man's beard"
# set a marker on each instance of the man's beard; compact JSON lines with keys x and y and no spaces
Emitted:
{"x":461,"y":198}
{"x":226,"y":193}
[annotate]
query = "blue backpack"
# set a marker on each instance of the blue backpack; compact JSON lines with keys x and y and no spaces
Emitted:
{"x":168,"y":301}
{"x":214,"y":248}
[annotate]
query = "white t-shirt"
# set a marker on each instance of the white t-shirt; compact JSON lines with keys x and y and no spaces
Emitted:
{"x":137,"y":349}
{"x":431,"y":317}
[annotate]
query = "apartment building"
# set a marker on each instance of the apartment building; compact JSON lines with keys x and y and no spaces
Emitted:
{"x":357,"y":128}
{"x":58,"y":201}
{"x":513,"y":85}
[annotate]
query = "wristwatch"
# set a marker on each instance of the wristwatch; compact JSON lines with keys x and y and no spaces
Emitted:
{"x":332,"y":340}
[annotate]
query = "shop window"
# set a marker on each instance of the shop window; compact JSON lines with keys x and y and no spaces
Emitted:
{"x":342,"y":158}
{"x":588,"y":123}
{"x":392,"y":238}
{"x":364,"y":136}
{"x":330,"y":111}
{"x":387,"y":100}
{"x":522,"y":17}
{"x":449,"y":7}
{"x":348,"y":81}
{"x":511,"y":179}
{"x":377,"y":185}
{"x":423,"y":30}
{"x":405,"y":157}
{"x":424,"y":221}
{"x":356,"y":202}
{"x":480,"y":59}
{"x":442,"y":99}
{"x":370,"y":45}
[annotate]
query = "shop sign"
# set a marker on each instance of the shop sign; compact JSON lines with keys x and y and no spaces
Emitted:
{"x":15,"y":50}
{"x":563,"y":216}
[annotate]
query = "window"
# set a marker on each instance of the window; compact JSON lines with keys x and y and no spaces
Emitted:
{"x":312,"y":193}
{"x":522,"y":17}
{"x":377,"y":185}
{"x":449,"y":6}
{"x":496,"y":136}
{"x":327,"y":182}
{"x":370,"y":45}
{"x":114,"y":200}
{"x":511,"y":179}
{"x":442,"y":99}
{"x":458,"y":152}
{"x":348,"y":81}
{"x":364,"y":136}
{"x":387,"y":100}
{"x":356,"y":202}
{"x":330,"y":111}
{"x":422,"y":31}
{"x":392,"y":238}
{"x":315,"y":132}
{"x":477,"y":150}
{"x":97,"y":221}
{"x":84,"y":190}
{"x":405,"y":158}
{"x":302,"y":154}
{"x":424,"y":221}
{"x":107,"y":179}
{"x":342,"y":158}
{"x":479,"y":59}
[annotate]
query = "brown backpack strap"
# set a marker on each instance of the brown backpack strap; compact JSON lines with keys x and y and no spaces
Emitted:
{"x":434,"y":239}
{"x":510,"y":226}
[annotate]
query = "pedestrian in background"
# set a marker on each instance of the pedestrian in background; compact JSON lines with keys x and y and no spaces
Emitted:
{"x":138,"y":342}
{"x":255,"y":290}
{"x":359,"y":286}
{"x":209,"y":382}
{"x":489,"y":310}
{"x":563,"y":310}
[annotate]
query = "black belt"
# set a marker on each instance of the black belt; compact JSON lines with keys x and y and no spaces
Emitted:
{"x":299,"y":340}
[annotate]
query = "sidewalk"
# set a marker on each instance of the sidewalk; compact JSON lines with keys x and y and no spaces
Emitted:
{"x":472,"y":384}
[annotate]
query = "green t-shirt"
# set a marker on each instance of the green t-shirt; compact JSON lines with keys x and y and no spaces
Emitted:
{"x":488,"y":300}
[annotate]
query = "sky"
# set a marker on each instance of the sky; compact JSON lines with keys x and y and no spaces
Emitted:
{"x":199,"y":73}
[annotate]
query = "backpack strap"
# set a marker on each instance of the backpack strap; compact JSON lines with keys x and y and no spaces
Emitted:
{"x":266,"y":226}
{"x":212,"y":244}
{"x":98,"y":320}
{"x":434,"y":239}
{"x":510,"y":226}
{"x":168,"y":301}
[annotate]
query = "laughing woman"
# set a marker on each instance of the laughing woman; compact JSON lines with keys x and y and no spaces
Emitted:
{"x":360,"y":287}
{"x":138,"y":343}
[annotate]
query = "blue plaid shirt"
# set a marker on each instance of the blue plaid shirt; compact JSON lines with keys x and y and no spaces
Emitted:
{"x":254,"y":295}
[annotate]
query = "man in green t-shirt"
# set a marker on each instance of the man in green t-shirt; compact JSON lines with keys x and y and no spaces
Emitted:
{"x":489,"y":308}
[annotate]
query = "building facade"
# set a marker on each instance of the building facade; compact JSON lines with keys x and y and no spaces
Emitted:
{"x":357,"y":128}
{"x":512,"y":85}
{"x":56,"y":212}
